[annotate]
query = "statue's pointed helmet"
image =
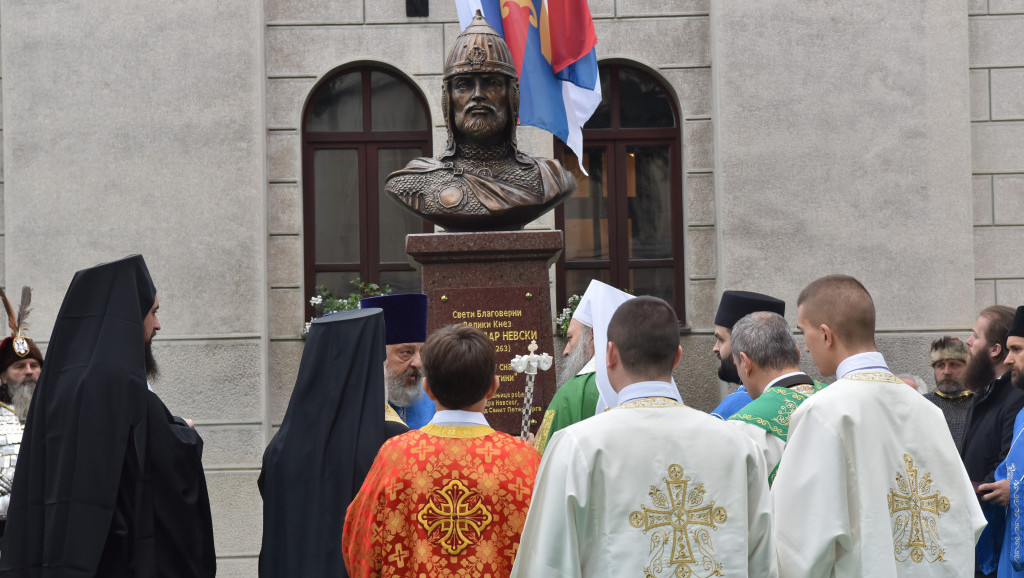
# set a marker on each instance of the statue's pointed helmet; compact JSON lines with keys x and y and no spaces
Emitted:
{"x":479,"y":49}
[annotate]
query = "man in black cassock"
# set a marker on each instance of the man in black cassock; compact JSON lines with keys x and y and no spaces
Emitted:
{"x":330,"y":435}
{"x":108,"y":483}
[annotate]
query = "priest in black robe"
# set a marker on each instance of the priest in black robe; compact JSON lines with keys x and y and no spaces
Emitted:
{"x":328,"y":440}
{"x":108,"y":483}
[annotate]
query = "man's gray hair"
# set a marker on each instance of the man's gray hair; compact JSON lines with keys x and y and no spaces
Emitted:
{"x":766,"y":339}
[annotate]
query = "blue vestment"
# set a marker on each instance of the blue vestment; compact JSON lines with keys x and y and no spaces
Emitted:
{"x":732,"y":403}
{"x":1007,"y":524}
{"x":419,"y":413}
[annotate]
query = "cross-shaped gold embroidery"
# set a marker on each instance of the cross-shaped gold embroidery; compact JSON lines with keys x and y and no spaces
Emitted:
{"x":682,"y":512}
{"x":488,"y":451}
{"x":910,"y":508}
{"x":454,"y":517}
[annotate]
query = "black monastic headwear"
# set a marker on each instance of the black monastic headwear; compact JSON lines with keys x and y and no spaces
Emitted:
{"x":737,"y":304}
{"x":405,"y":316}
{"x":1017,"y":327}
{"x":331,"y":432}
{"x":104,"y":482}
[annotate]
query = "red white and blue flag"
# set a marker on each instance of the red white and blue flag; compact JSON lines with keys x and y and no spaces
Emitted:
{"x":552,"y":43}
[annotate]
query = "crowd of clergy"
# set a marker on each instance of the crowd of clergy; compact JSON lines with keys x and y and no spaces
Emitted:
{"x":385,"y":463}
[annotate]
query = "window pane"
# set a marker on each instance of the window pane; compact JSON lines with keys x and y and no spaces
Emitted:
{"x":336,"y":187}
{"x":577,"y":280}
{"x":394,"y":106}
{"x":338,"y":284}
{"x":602,"y":117}
{"x":337,"y":105}
{"x":642,"y":102}
{"x":649,"y":202}
{"x":402,"y":281}
{"x":395,"y":220}
{"x":586,"y":211}
{"x":656,"y":281}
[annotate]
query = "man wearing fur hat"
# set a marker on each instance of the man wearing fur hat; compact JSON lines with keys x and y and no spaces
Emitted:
{"x":482,"y":181}
{"x":20,"y":359}
{"x":20,"y":363}
{"x":949,"y":360}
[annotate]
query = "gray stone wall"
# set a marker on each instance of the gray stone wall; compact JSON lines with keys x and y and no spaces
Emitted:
{"x":139,"y":128}
{"x":997,"y":139}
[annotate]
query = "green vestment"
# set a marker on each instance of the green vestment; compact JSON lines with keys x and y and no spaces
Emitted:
{"x":573,"y":402}
{"x":771,"y":411}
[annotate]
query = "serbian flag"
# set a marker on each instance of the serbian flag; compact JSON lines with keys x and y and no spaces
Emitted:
{"x":552,"y":43}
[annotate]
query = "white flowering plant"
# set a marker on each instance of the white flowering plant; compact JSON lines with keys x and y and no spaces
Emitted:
{"x":562,"y":319}
{"x":324,"y":302}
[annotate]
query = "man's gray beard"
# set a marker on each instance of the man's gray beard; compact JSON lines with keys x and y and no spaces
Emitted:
{"x":398,"y":393}
{"x":577,"y":358}
{"x":21,"y":397}
{"x":949,"y":387}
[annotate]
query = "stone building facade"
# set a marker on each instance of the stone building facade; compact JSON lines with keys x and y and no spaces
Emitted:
{"x":880,"y":139}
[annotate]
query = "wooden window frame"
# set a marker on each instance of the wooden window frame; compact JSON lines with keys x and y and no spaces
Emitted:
{"x":366,"y":143}
{"x":616,"y":139}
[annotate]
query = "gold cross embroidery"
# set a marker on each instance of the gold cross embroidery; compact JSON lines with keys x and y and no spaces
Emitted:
{"x":915,"y":516}
{"x":681,"y":510}
{"x":489,"y":451}
{"x":454,"y":517}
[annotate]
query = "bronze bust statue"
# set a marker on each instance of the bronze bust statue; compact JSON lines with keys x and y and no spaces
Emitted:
{"x":482,"y":181}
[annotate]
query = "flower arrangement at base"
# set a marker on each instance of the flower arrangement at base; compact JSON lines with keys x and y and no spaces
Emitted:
{"x":325,"y":303}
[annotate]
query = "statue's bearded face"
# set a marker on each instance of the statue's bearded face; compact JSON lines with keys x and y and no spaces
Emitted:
{"x":480,"y":106}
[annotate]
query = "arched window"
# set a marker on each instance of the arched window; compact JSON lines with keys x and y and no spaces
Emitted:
{"x":360,"y":124}
{"x":624,"y":223}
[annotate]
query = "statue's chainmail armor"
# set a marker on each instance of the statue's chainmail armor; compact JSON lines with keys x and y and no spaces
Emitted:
{"x":470,"y":186}
{"x":421,"y":190}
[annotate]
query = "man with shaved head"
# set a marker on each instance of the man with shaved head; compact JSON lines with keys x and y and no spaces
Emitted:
{"x":870,"y":483}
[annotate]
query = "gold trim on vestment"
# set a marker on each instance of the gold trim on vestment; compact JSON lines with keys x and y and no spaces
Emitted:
{"x":541,"y":441}
{"x":883,"y":376}
{"x":457,"y":431}
{"x":647,"y":402}
{"x":391,"y":415}
{"x":961,"y":395}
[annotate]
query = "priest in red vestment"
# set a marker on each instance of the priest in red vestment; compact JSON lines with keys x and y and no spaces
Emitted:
{"x":449,"y":499}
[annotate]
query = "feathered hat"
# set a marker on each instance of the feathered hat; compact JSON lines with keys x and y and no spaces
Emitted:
{"x":18,"y":346}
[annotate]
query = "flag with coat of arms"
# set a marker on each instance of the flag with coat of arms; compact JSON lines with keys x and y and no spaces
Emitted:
{"x":553,"y":47}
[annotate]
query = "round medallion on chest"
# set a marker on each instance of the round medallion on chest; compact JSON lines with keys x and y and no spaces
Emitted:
{"x":450,"y":196}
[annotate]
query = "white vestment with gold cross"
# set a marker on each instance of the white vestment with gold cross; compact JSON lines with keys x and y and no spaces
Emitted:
{"x":649,"y":488}
{"x":871,"y":484}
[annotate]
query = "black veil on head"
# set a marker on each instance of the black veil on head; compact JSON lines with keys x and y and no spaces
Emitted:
{"x":90,"y":397}
{"x":332,"y":430}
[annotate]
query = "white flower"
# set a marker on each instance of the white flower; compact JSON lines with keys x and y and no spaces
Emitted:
{"x":316,"y":300}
